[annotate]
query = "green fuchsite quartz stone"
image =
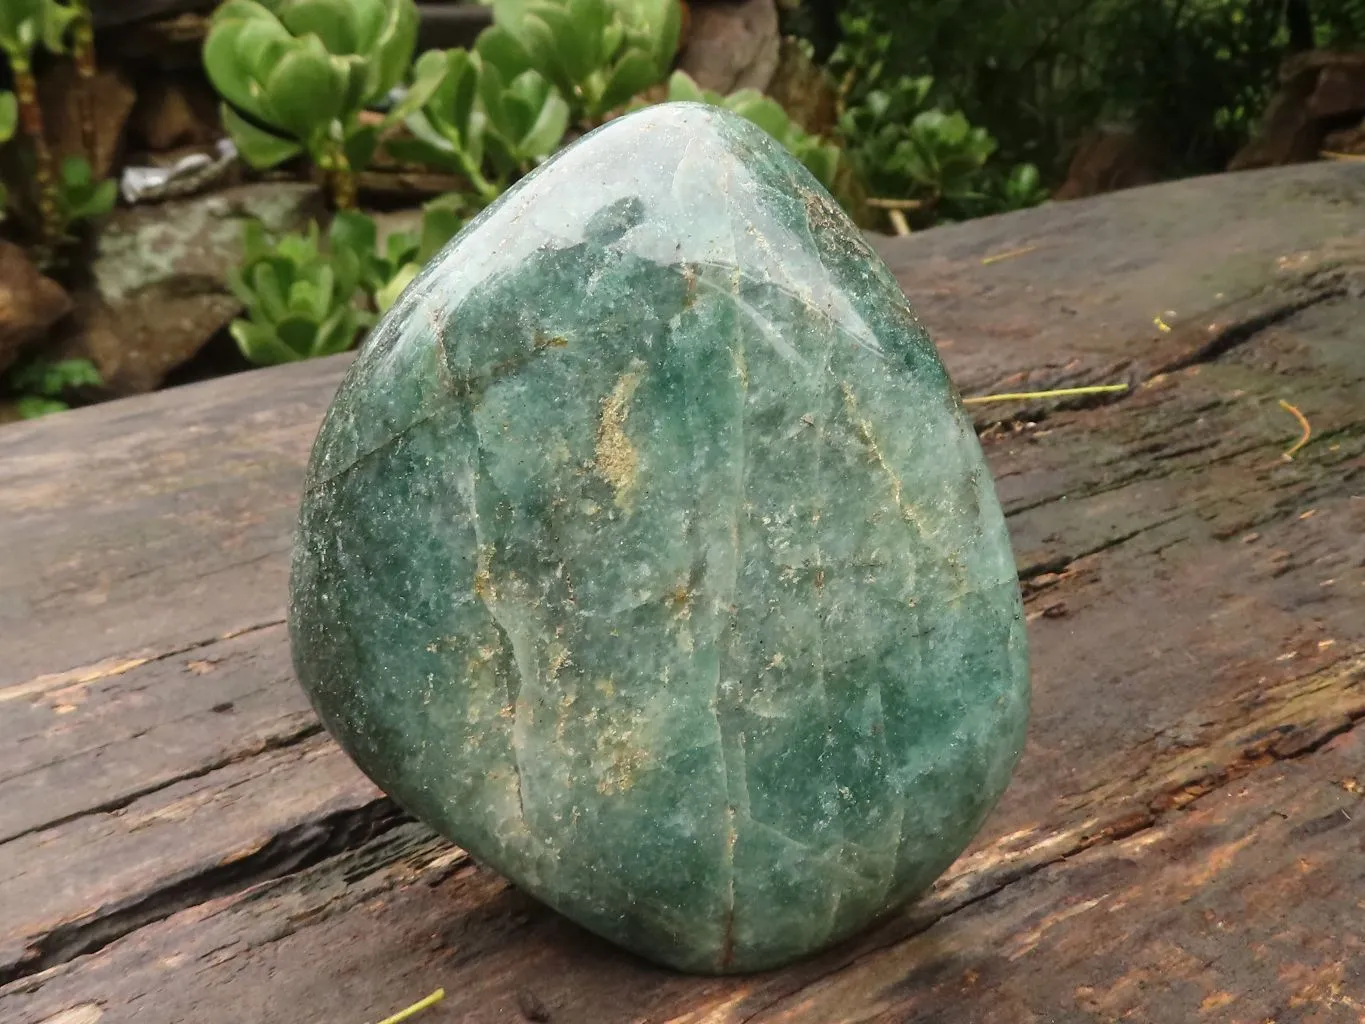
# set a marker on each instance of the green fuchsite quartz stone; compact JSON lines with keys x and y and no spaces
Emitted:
{"x":647,"y":553}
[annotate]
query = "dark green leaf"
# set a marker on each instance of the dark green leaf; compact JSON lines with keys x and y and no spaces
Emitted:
{"x":499,"y":47}
{"x":9,"y":115}
{"x":261,"y":345}
{"x":258,"y":148}
{"x":440,"y":157}
{"x":634,"y":73}
{"x":360,"y":145}
{"x":30,"y":407}
{"x":304,"y":92}
{"x":391,"y":55}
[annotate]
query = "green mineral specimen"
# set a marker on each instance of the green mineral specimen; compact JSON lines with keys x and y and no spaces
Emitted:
{"x":647,"y":553}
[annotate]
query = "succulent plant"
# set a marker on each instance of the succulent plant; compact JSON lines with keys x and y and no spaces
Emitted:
{"x":819,"y":155}
{"x":9,"y":124}
{"x":442,"y":220}
{"x":24,"y":25}
{"x":480,"y":124}
{"x":80,"y":195}
{"x":943,"y":154}
{"x":384,"y":271}
{"x":597,"y":53}
{"x":43,"y":385}
{"x":299,"y":299}
{"x":296,"y":74}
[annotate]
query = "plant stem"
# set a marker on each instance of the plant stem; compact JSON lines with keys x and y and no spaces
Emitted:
{"x":83,"y":51}
{"x":1026,"y":396}
{"x":44,"y":168}
{"x":487,"y":190}
{"x":416,"y":1008}
{"x":341,"y":177}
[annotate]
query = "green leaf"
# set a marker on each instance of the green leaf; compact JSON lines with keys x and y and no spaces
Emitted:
{"x":360,"y":144}
{"x":550,"y":55}
{"x":336,"y":334}
{"x":1023,"y":178}
{"x":764,"y":112}
{"x":351,"y":271}
{"x":298,"y":334}
{"x":56,"y":20}
{"x":440,"y":156}
{"x":255,"y":244}
{"x":76,"y":173}
{"x":80,"y":196}
{"x":391,"y":54}
{"x":681,"y":87}
{"x":499,"y":47}
{"x":509,"y":12}
{"x":304,"y":92}
{"x":399,"y":248}
{"x":655,"y":27}
{"x":822,"y":160}
{"x":334,"y":22}
{"x":491,"y":95}
{"x":50,"y":379}
{"x":353,"y":230}
{"x":585,"y":23}
{"x":261,"y":345}
{"x":76,"y":373}
{"x":427,"y":78}
{"x":258,"y":148}
{"x":269,"y":284}
{"x":668,"y":37}
{"x":245,"y":41}
{"x":97,"y":203}
{"x":465,"y":73}
{"x":634,"y":73}
{"x":547,"y":131}
{"x":15,"y":17}
{"x":9,"y":115}
{"x":30,"y":407}
{"x":388,"y":295}
{"x":439,"y":225}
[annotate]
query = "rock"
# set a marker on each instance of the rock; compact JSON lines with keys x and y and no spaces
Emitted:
{"x":1108,"y":159}
{"x":647,"y":553}
{"x":732,"y":44}
{"x":176,"y":113}
{"x":173,"y":44}
{"x":160,"y":279}
{"x":444,"y":26}
{"x":1347,"y":140}
{"x":112,"y":13}
{"x":1319,"y":92}
{"x":804,"y":90}
{"x":1339,"y":89}
{"x":29,"y":303}
{"x":112,"y":99}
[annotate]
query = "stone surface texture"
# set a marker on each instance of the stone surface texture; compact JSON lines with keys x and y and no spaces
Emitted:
{"x":30,"y":303}
{"x":159,"y":288}
{"x":732,"y":44}
{"x":647,"y":552}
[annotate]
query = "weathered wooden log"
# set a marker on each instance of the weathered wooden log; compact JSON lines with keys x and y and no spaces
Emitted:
{"x":1183,"y":839}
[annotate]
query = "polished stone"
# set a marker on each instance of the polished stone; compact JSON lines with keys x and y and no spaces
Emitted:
{"x":648,"y":554}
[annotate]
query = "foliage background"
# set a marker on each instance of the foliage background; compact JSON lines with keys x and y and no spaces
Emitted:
{"x":1192,"y":75}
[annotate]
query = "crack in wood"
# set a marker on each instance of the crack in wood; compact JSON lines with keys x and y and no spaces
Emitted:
{"x":286,"y":853}
{"x":118,"y":665}
{"x":302,"y":732}
{"x":1247,"y":319}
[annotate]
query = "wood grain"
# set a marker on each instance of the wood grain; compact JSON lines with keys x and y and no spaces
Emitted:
{"x":1183,"y":839}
